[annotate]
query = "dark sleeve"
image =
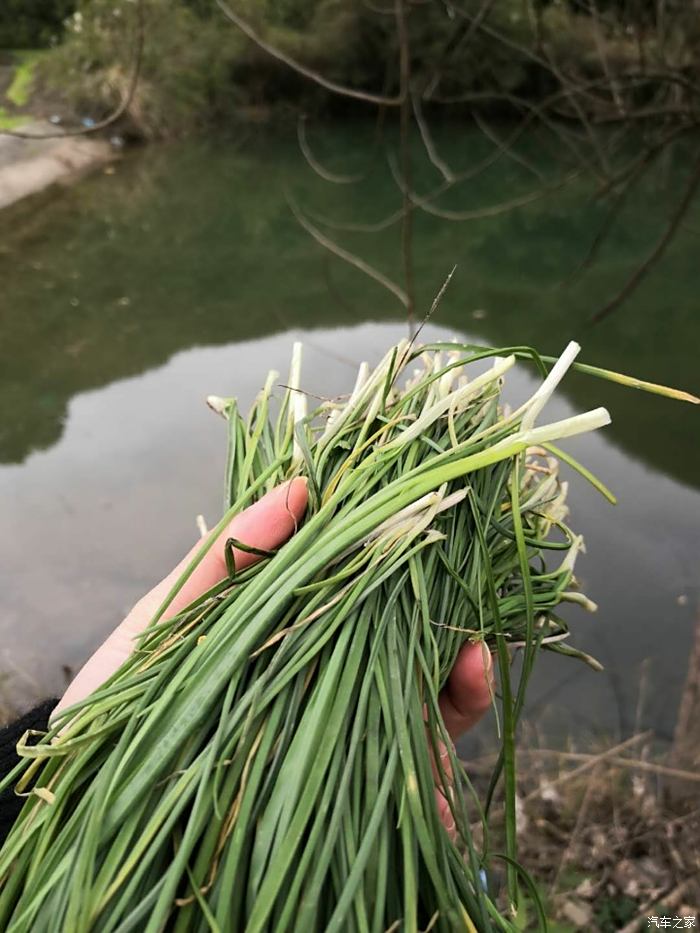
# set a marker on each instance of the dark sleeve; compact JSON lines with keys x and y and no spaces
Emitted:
{"x":10,"y":803}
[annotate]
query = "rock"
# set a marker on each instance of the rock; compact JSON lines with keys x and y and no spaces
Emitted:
{"x":580,"y":915}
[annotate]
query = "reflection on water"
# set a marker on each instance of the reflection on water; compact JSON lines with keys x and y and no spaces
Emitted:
{"x":195,"y":245}
{"x":129,"y":298}
{"x":95,"y":520}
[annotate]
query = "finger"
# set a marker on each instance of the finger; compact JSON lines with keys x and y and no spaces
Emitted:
{"x":443,"y":777}
{"x":446,"y":816}
{"x":444,"y":783}
{"x":467,"y":694}
{"x":265,"y":525}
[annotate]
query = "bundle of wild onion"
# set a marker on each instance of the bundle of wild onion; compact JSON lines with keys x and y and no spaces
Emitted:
{"x":263,"y":761}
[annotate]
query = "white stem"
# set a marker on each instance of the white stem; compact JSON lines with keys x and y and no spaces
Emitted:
{"x":218,"y":404}
{"x":458,"y":398}
{"x":577,"y":545}
{"x":548,"y":640}
{"x":370,"y":385}
{"x":297,"y":399}
{"x":544,"y":393}
{"x":568,"y":427}
{"x":580,"y":599}
{"x":431,"y":499}
{"x":294,"y":380}
{"x":362,"y":376}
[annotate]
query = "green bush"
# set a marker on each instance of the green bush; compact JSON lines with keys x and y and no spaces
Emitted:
{"x":184,"y":65}
{"x":197,"y":65}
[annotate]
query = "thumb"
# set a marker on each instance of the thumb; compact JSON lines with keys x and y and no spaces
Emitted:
{"x":266,"y":525}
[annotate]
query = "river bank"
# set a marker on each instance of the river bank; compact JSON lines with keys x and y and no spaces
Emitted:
{"x":28,"y":166}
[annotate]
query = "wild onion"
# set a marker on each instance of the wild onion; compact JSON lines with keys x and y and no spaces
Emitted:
{"x":264,"y":760}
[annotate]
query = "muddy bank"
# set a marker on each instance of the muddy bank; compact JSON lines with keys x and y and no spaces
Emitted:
{"x":30,"y":165}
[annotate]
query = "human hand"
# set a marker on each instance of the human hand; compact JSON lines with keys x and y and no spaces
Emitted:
{"x":463,"y":701}
{"x":266,"y":525}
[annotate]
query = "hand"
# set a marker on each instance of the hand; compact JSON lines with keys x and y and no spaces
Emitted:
{"x":266,"y":525}
{"x":464,"y":699}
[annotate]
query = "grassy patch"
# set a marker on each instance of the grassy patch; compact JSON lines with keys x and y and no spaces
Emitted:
{"x":19,"y":92}
{"x":10,"y":121}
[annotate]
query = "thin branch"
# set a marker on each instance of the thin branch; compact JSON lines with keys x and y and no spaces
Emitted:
{"x":405,"y":149}
{"x":492,"y":210}
{"x":630,"y":176}
{"x":313,"y":162}
{"x":377,"y":227}
{"x":453,"y":44}
{"x":303,"y":70}
{"x":507,"y":150}
{"x":668,"y":896}
{"x":601,"y":235}
{"x":592,"y":762}
{"x":428,"y":142}
{"x":570,"y":90}
{"x":642,"y":271}
{"x":388,"y":221}
{"x":629,"y":78}
{"x":581,"y":817}
{"x":603,"y":56}
{"x":619,"y":761}
{"x":535,"y":111}
{"x":348,"y":257}
{"x":629,"y":170}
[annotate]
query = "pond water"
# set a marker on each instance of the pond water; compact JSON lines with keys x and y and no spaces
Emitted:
{"x":127,"y":299}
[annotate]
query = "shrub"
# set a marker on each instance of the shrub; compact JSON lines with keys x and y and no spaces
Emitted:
{"x":183,"y":73}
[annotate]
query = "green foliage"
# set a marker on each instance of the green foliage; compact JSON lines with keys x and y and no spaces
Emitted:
{"x":29,"y":24}
{"x":19,"y":91}
{"x":8,"y":121}
{"x":319,"y":702}
{"x":197,"y":63}
{"x":183,"y":71}
{"x":356,"y":45}
{"x":612,"y":913}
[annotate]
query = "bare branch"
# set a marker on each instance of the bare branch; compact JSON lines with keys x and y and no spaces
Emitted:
{"x":309,"y":73}
{"x":376,"y":227}
{"x":430,"y":149}
{"x":453,"y":44}
{"x":405,"y":150}
{"x":492,"y":210}
{"x":395,"y":216}
{"x":348,"y":257}
{"x":507,"y":150}
{"x":603,"y":57}
{"x":534,"y":112}
{"x":314,"y":164}
{"x":629,"y":177}
{"x":642,"y":271}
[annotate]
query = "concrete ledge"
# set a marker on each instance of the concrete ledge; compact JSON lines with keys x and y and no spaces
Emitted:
{"x":28,"y":166}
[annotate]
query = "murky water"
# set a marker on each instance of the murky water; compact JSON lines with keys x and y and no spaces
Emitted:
{"x":125,"y":300}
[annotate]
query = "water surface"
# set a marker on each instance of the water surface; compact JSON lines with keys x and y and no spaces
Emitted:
{"x":127,"y":299}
